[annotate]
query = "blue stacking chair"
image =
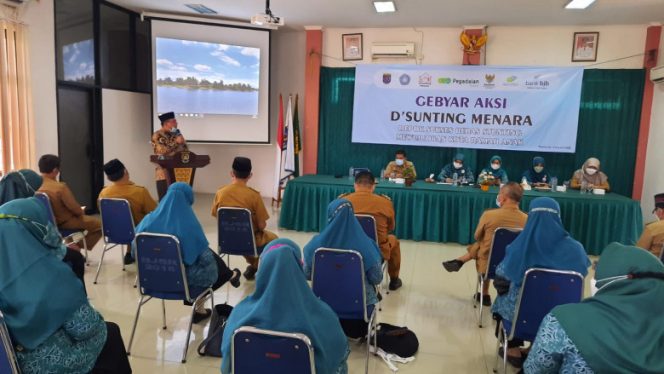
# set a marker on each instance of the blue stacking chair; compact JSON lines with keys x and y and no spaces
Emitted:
{"x":256,"y":350}
{"x":661,"y":253}
{"x":118,"y":227}
{"x":368,"y":223}
{"x":356,"y":171}
{"x":161,"y":275}
{"x":235,"y":235}
{"x":8,"y":363}
{"x":541,"y":291}
{"x":502,"y":237}
{"x":68,"y":235}
{"x":337,"y":278}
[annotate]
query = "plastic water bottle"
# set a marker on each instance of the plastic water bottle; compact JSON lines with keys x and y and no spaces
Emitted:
{"x":382,"y":174}
{"x":455,"y":179}
{"x":554,"y":183}
{"x":584,"y":186}
{"x":524,"y":181}
{"x":350,"y":173}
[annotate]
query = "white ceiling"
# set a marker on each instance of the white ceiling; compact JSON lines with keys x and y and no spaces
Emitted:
{"x":422,"y":13}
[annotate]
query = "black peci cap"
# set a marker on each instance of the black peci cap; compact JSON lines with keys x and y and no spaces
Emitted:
{"x":166,"y":116}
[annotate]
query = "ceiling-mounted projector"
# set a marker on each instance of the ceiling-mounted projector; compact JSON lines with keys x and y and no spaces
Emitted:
{"x":267,"y":18}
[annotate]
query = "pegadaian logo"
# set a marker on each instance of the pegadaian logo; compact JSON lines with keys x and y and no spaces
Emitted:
{"x":444,"y":80}
{"x":387,"y":78}
{"x":404,"y":79}
{"x":424,"y":80}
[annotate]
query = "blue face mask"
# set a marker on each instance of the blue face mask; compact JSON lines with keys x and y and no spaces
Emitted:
{"x":399,"y":161}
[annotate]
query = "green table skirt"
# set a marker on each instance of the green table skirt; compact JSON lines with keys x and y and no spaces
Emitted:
{"x":443,"y":213}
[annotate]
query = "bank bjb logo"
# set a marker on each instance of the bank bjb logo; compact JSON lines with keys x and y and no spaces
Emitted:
{"x":404,"y":79}
{"x":424,"y":80}
{"x":387,"y":78}
{"x":444,"y":80}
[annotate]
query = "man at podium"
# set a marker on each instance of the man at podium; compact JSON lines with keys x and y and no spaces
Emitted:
{"x":166,"y":141}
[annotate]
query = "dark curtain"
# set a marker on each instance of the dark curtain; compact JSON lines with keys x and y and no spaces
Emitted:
{"x":608,"y":129}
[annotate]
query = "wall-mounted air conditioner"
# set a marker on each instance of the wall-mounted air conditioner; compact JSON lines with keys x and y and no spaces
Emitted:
{"x":657,"y":74}
{"x":393,"y":50}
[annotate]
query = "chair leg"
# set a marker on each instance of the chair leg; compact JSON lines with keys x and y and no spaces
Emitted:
{"x":122,"y":252}
{"x":133,"y":330}
{"x":191,"y":321}
{"x":228,"y":284}
{"x":370,"y":329}
{"x":163,"y":314}
{"x":101,"y":261}
{"x":498,"y":340}
{"x":136,"y":282}
{"x":477,"y":288}
{"x":85,"y":251}
{"x":481,"y":301}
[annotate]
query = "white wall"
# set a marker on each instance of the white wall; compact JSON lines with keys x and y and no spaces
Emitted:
{"x":654,"y":175}
{"x":40,"y":20}
{"x":546,"y":46}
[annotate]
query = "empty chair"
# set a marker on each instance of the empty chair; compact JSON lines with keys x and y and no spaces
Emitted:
{"x":338,"y":280}
{"x":266,"y":351}
{"x":283,"y":302}
{"x":117,"y":225}
{"x":542,"y":290}
{"x":161,"y":275}
{"x":502,"y":237}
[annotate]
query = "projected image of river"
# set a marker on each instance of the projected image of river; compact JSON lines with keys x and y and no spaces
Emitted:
{"x":206,"y":101}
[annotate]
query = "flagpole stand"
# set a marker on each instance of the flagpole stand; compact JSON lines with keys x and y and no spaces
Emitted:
{"x":278,"y":199}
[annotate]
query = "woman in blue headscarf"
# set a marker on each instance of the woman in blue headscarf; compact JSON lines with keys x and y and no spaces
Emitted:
{"x":19,"y":184}
{"x":457,"y":166}
{"x":53,"y":327}
{"x":537,"y":175}
{"x":283,"y":301}
{"x":203,"y":267}
{"x":24,"y":183}
{"x":543,"y":243}
{"x":494,"y":173}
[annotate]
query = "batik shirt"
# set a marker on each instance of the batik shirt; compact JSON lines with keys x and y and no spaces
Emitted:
{"x":164,"y":143}
{"x":554,"y":352}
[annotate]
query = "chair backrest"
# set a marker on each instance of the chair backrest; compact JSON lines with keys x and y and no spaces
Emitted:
{"x":160,"y":269}
{"x":235,"y":232}
{"x":8,"y":363}
{"x":256,"y":350}
{"x":502,"y":237}
{"x":337,"y":278}
{"x":661,"y":252}
{"x":541,"y":291}
{"x":116,"y":221}
{"x":356,"y":171}
{"x":368,"y":223}
{"x":44,"y":199}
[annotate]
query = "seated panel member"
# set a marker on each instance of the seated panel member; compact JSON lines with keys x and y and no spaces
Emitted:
{"x":591,"y":174}
{"x":457,"y":166}
{"x":68,"y":212}
{"x":396,"y":168}
{"x":537,"y":174}
{"x":140,"y":201}
{"x":494,"y":172}
{"x":239,"y":195}
{"x":365,"y":201}
{"x":652,"y":238}
{"x":509,"y":215}
{"x":619,"y":329}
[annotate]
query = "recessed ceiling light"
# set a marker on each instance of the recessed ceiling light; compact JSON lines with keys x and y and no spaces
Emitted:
{"x":200,"y":8}
{"x":384,"y":6}
{"x":579,"y":4}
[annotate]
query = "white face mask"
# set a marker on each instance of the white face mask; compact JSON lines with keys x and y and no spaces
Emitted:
{"x":593,"y":283}
{"x":457,"y":165}
{"x":497,"y":202}
{"x":591,"y":171}
{"x":538,"y":169}
{"x":399,"y":161}
{"x":593,"y":287}
{"x":495,"y":166}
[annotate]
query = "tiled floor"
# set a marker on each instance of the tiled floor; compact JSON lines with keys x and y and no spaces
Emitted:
{"x":436,"y":305}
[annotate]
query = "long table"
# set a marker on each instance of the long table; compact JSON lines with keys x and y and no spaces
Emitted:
{"x":445,"y":213}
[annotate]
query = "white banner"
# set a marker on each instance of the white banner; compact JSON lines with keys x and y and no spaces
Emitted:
{"x":489,"y":107}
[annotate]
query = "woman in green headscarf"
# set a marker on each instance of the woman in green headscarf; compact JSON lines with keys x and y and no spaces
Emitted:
{"x":53,"y":327}
{"x":618,"y":330}
{"x":19,"y":184}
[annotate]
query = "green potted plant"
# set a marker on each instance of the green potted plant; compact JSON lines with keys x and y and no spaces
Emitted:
{"x":409,"y":176}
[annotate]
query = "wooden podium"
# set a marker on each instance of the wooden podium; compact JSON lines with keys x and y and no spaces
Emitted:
{"x":181,"y":167}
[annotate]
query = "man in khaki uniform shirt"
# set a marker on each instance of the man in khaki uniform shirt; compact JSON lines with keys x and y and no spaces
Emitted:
{"x":239,"y":195}
{"x":652,"y":238}
{"x":166,"y":141}
{"x":396,"y":168}
{"x":68,"y":212}
{"x":365,"y":201}
{"x":140,"y":201}
{"x":508,"y":215}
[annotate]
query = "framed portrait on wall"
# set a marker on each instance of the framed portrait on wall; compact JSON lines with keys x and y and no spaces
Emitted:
{"x":351,"y":46}
{"x":584,"y":47}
